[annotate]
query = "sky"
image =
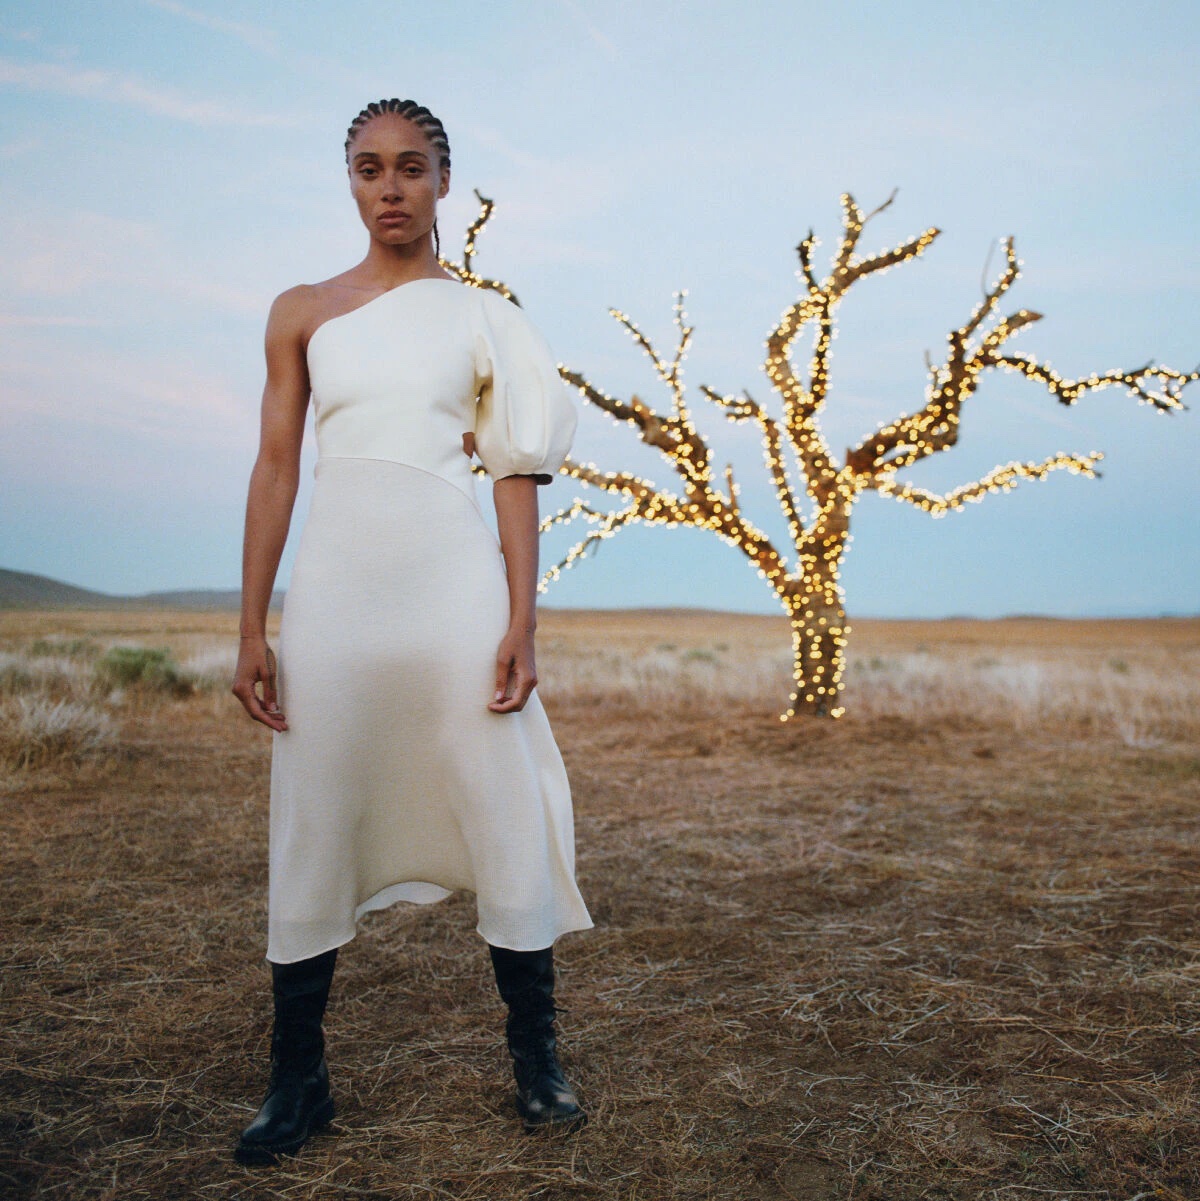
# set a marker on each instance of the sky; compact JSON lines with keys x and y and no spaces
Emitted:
{"x":169,"y":168}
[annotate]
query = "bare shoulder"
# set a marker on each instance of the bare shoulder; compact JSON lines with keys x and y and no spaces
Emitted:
{"x":329,"y":298}
{"x":301,"y":294}
{"x":291,"y":312}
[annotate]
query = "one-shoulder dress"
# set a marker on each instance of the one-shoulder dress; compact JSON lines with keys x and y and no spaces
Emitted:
{"x":394,"y":781}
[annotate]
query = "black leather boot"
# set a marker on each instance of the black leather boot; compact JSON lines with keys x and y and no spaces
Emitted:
{"x":298,"y":1100}
{"x":526,"y":983}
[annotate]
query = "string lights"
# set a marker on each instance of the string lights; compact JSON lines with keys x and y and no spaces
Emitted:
{"x":464,"y":270}
{"x":809,"y":588}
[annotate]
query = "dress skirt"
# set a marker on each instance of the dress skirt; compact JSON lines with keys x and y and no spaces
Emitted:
{"x":394,"y":781}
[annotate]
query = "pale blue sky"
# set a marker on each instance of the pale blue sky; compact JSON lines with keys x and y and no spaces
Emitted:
{"x":170,"y":167}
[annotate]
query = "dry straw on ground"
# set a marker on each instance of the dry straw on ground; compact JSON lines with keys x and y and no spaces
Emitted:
{"x":943,"y":948}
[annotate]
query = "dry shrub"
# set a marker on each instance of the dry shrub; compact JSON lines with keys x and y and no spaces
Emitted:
{"x":1155,"y":702}
{"x":69,"y":648}
{"x":81,"y":668}
{"x":150,"y":668}
{"x":665,"y":674}
{"x":36,"y":731}
{"x":52,"y":706}
{"x":22,"y":672}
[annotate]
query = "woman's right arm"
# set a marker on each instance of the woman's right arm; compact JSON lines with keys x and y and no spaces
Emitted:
{"x":272,"y":494}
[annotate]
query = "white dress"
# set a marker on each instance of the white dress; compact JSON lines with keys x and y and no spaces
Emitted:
{"x":394,"y":781}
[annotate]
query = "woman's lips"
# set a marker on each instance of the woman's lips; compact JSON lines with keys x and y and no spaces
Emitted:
{"x":392,"y":218}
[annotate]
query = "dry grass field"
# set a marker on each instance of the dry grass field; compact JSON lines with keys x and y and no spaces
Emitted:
{"x":946,"y":947}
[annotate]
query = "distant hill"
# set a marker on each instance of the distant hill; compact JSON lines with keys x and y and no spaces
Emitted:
{"x":24,"y":590}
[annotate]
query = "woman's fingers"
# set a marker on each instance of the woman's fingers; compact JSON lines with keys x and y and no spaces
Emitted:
{"x":268,"y":718}
{"x":254,"y":669}
{"x":515,"y":674}
{"x":273,"y":718}
{"x":504,"y":665}
{"x":270,"y":697}
{"x":514,"y":684}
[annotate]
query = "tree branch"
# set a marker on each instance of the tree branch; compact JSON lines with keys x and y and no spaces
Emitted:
{"x":935,"y":427}
{"x":802,"y":403}
{"x":991,"y":298}
{"x":804,"y":250}
{"x":464,"y":270}
{"x":1001,"y":478}
{"x":610,"y":523}
{"x":745,"y":408}
{"x":621,"y":482}
{"x":847,"y":272}
{"x":703,"y":508}
{"x":676,"y":436}
{"x":567,"y":515}
{"x":1068,"y":391}
{"x":635,"y":412}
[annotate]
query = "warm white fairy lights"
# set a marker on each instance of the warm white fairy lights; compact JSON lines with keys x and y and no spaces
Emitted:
{"x":464,"y":270}
{"x":809,"y":590}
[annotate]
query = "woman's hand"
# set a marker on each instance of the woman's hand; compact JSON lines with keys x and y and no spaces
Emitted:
{"x":255,"y":665}
{"x":515,"y":672}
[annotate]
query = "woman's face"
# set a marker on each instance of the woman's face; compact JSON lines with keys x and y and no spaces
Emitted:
{"x":395,"y":179}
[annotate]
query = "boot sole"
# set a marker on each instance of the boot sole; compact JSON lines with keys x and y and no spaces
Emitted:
{"x":261,"y":1155}
{"x":531,"y":1124}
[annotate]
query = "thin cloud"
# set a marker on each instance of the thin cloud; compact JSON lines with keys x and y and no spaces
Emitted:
{"x":91,"y":250}
{"x":162,"y":398}
{"x":125,"y":89}
{"x":265,"y":40}
{"x":51,"y":258}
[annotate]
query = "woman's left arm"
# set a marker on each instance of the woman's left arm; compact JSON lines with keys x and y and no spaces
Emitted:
{"x":516,"y":501}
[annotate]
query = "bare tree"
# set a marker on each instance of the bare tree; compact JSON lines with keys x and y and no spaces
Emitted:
{"x":808,"y":586}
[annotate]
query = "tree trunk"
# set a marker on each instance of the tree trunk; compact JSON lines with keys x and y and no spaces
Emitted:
{"x":817,"y":612}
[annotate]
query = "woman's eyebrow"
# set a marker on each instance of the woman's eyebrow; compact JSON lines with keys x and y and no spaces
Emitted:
{"x":364,"y":155}
{"x":371,"y":154}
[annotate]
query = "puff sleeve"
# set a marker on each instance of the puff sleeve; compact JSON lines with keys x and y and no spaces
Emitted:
{"x":525,"y":418}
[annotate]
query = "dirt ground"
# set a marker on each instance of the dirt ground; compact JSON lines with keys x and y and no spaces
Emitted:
{"x":925,"y":951}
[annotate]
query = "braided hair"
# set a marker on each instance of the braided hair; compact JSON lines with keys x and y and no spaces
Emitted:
{"x":423,"y":119}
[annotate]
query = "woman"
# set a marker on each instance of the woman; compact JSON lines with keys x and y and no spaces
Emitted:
{"x":411,"y":756}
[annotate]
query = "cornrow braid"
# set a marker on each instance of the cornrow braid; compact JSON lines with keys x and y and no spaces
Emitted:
{"x":410,"y":110}
{"x":423,"y":119}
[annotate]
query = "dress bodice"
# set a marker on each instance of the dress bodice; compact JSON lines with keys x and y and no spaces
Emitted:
{"x":404,"y":376}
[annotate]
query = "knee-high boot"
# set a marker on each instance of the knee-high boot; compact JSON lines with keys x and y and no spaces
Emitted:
{"x":525,"y":980}
{"x":298,"y":1100}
